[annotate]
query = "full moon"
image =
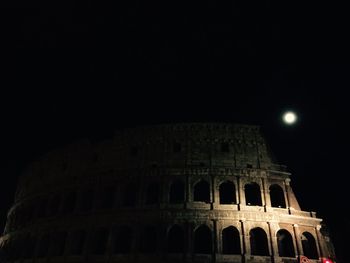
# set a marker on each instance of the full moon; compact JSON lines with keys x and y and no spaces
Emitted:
{"x":289,"y":117}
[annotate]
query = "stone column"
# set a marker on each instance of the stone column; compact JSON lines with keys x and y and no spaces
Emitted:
{"x":216,"y":193}
{"x":237,"y":198}
{"x":188,"y":196}
{"x":241,"y":193}
{"x":298,"y":243}
{"x":319,"y":243}
{"x":219,"y":237}
{"x":215,"y":240}
{"x":286,"y":193}
{"x":266,"y":200}
{"x":212,"y":185}
{"x":164,"y":190}
{"x":109,"y":244}
{"x":245,"y":239}
{"x":190,"y":249}
{"x":273,"y":239}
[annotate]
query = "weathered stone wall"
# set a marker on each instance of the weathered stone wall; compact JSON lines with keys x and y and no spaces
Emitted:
{"x":53,"y":192}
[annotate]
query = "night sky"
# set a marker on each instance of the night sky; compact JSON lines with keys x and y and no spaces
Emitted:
{"x":81,"y":69}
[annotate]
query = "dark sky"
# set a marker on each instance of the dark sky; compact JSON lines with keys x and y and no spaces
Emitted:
{"x":75,"y":69}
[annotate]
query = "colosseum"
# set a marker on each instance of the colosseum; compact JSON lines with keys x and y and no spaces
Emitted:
{"x":193,"y":192}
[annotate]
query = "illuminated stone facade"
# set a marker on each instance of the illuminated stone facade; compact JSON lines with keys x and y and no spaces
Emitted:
{"x":166,"y":193}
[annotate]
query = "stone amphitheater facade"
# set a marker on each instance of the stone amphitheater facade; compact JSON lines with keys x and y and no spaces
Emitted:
{"x":195,"y":192}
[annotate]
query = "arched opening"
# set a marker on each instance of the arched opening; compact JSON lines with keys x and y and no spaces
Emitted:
{"x":29,"y":247}
{"x":231,"y":243}
{"x":177,"y":192}
{"x":122,"y":239}
{"x":258,"y":242}
{"x":86,"y":199}
{"x":201,"y":192}
{"x":78,"y":238}
{"x":69,"y":202}
{"x":106,"y":197}
{"x":148,"y":240}
{"x":130,"y":195}
{"x":20,"y":246}
{"x":152,"y":194}
{"x":176,"y":147}
{"x":285,"y":244}
{"x":41,"y":207}
{"x":252,"y":194}
{"x":54,"y":205}
{"x":176,"y":239}
{"x":227,"y":193}
{"x":99,"y":241}
{"x":43,"y":246}
{"x":225,"y":147}
{"x":309,"y":245}
{"x":277,"y":196}
{"x":17,"y":246}
{"x":57,"y":244}
{"x":203,"y":240}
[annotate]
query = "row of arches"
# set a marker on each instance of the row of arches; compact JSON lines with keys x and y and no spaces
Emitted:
{"x":108,"y":197}
{"x":146,"y":240}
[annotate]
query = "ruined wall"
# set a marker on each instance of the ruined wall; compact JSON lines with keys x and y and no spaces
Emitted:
{"x":201,"y":183}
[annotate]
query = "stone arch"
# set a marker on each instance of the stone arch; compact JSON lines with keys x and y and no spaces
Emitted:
{"x":203,"y":240}
{"x":285,"y":243}
{"x":98,"y":243}
{"x":148,"y":240}
{"x":29,"y":248}
{"x":43,"y":246}
{"x":41,"y":207}
{"x":69,"y":202}
{"x":54,"y":205}
{"x":57,"y":243}
{"x":177,"y":192}
{"x":106,"y":197}
{"x":201,"y":191}
{"x":258,"y":242}
{"x":176,"y":239}
{"x":130,"y":194}
{"x":309,"y":245}
{"x":122,"y":240}
{"x":227,"y":193}
{"x":77,"y":242}
{"x":86,"y":199}
{"x":252,"y":194}
{"x":231,"y":243}
{"x":277,"y":196}
{"x":152,"y":193}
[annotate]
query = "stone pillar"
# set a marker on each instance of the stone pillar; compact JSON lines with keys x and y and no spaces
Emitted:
{"x":286,"y":194}
{"x":162,"y":239}
{"x":212,"y":186}
{"x":165,"y":182}
{"x":241,"y":192}
{"x":219,"y":237}
{"x":273,"y":239}
{"x":190,"y":239}
{"x":322,"y":243}
{"x":297,"y":240}
{"x":188,"y":195}
{"x":245,"y":239}
{"x":319,"y":243}
{"x":266,"y":193}
{"x":216,"y":192}
{"x":215,"y":239}
{"x":236,"y":190}
{"x":109,"y":245}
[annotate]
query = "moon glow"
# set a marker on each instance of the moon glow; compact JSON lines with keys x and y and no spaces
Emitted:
{"x":289,"y":117}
